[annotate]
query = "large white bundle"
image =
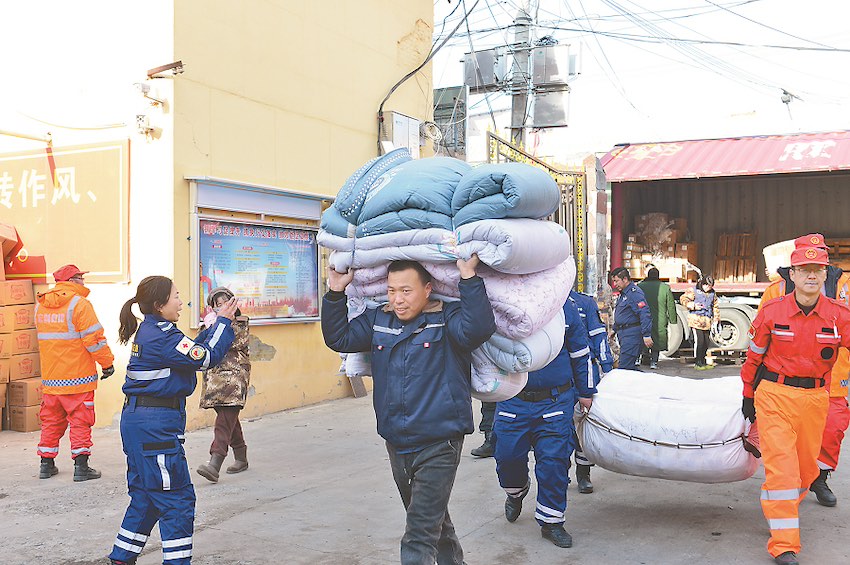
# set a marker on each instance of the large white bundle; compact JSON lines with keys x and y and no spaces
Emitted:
{"x":652,"y":425}
{"x":490,"y":383}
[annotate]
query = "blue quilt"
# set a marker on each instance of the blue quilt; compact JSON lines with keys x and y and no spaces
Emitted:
{"x":504,"y":190}
{"x":349,"y":201}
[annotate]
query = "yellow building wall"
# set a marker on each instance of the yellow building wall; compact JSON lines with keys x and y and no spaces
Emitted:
{"x":285,"y":94}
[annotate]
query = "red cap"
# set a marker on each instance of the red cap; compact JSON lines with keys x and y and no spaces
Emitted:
{"x":67,"y":272}
{"x":811,"y":240}
{"x":809,"y":256}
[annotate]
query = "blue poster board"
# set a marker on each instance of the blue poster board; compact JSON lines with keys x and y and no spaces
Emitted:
{"x":273,"y":270}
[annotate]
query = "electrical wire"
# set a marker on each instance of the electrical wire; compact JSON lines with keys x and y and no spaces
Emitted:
{"x":477,"y":69}
{"x":413,"y":72}
{"x":758,"y":23}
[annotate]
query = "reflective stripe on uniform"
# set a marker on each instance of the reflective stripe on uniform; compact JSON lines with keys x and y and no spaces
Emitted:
{"x":784,"y":494}
{"x":602,"y":355}
{"x":784,"y":523}
{"x":756,"y":349}
{"x":550,"y":414}
{"x":69,"y":382}
{"x":548,"y":519}
{"x":597,"y":331}
{"x":48,"y":449}
{"x":89,"y":403}
{"x":127,"y":546}
{"x":131,"y":535}
{"x":81,"y":450}
{"x":176,"y":542}
{"x":166,"y":478}
{"x":148,"y":375}
{"x":782,"y":332}
{"x":216,"y":335}
{"x":386,"y":330}
{"x":69,"y":315}
{"x":551,"y":511}
{"x":96,"y":347}
{"x":507,"y":414}
{"x":166,"y":555}
{"x":581,"y":352}
{"x":91,"y":329}
{"x":59,"y":335}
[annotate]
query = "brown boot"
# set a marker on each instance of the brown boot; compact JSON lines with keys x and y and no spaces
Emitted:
{"x":241,"y":463}
{"x":210,"y":470}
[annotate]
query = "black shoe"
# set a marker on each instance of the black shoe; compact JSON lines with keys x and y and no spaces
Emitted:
{"x":787,"y":558}
{"x":822,"y":491}
{"x":583,"y":479}
{"x":116,"y":562}
{"x":557,"y":535}
{"x":47,"y":468}
{"x":82,"y":471}
{"x":487,"y":448}
{"x":513,"y":505}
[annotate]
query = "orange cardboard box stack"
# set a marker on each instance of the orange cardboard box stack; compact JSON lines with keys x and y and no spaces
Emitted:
{"x":660,"y":241}
{"x":19,"y":358}
{"x":24,"y":399}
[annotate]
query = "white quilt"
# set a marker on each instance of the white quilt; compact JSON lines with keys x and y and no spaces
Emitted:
{"x":515,"y":246}
{"x":652,"y":425}
{"x":529,"y":354}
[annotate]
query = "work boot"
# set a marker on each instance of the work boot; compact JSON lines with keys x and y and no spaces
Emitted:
{"x":116,"y":562}
{"x":47,"y":468}
{"x":241,"y":463}
{"x":210,"y":469}
{"x":487,"y":448}
{"x":822,"y":491}
{"x":82,"y":471}
{"x":583,"y":479}
{"x":557,"y":535}
{"x":513,"y":505}
{"x":787,"y":558}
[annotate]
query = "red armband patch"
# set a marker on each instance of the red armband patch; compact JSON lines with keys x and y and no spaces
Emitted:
{"x":641,"y":304}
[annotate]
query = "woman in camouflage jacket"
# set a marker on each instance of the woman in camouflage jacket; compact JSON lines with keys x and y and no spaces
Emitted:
{"x":224,"y":388}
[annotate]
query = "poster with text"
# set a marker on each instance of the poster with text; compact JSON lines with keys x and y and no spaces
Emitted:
{"x":272,"y":270}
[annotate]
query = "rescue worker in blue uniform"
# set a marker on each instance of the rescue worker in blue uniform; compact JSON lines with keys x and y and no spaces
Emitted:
{"x":632,"y":319}
{"x":602,"y":361}
{"x":541,"y":416}
{"x":161,"y":374}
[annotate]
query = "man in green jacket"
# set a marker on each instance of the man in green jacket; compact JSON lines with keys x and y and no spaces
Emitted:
{"x":663,"y":309}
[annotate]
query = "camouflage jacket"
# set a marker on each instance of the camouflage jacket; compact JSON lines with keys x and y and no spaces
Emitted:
{"x":226,"y":384}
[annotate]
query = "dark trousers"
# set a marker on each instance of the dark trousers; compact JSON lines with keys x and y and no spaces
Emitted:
{"x":424,"y":479}
{"x":631,"y":344}
{"x":700,"y":345}
{"x":652,"y":352}
{"x":488,"y":414}
{"x":228,"y":430}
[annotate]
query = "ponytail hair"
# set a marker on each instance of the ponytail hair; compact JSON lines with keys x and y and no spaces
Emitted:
{"x":152,"y":294}
{"x":129,"y":322}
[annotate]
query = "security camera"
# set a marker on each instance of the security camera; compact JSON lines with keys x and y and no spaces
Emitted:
{"x":142,"y":87}
{"x":143,"y":124}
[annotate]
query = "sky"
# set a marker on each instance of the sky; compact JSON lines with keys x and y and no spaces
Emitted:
{"x":637,"y":83}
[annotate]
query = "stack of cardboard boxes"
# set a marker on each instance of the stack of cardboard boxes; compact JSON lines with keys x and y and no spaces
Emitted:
{"x":20,"y":366}
{"x":661,"y":241}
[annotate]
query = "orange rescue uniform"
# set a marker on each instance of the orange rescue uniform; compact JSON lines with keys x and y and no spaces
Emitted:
{"x":71,"y":342}
{"x":797,"y":353}
{"x":838,"y":417}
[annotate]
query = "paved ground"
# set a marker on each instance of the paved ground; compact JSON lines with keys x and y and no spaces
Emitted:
{"x":319,"y":491}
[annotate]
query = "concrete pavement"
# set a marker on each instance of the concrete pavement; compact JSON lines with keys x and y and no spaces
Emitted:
{"x":319,"y":491}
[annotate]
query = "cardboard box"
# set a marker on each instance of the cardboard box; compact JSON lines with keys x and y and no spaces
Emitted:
{"x":16,"y":292}
{"x":631,"y":238}
{"x":24,"y":393}
{"x":24,"y":366}
{"x":4,"y":370}
{"x":10,"y":242}
{"x":24,"y":418}
{"x":5,"y":346}
{"x":19,"y":317}
{"x":24,"y":341}
{"x":680,"y":224}
{"x":3,"y":395}
{"x":688,"y":251}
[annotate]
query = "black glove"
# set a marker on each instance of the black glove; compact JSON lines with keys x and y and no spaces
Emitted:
{"x":107,"y":372}
{"x":748,"y":408}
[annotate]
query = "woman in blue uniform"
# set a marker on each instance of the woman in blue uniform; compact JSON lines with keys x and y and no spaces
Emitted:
{"x":161,"y":374}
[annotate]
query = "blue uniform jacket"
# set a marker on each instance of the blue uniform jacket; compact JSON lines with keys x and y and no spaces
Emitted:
{"x":633,"y":309}
{"x":163,"y":361}
{"x":573,"y":362}
{"x":596,"y":332}
{"x":421,"y":368}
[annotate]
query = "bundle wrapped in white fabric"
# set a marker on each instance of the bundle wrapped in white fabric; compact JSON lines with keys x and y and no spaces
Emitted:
{"x":531,"y":353}
{"x":652,"y":425}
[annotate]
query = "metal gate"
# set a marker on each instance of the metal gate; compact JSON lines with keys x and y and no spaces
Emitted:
{"x":571,"y":212}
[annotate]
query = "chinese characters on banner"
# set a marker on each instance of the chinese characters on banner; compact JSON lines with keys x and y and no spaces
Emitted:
{"x":273,"y":270}
{"x":71,"y":208}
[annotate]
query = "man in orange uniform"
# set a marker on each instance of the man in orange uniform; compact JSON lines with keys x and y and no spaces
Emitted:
{"x":794,"y":345}
{"x":70,"y":341}
{"x":837,"y":285}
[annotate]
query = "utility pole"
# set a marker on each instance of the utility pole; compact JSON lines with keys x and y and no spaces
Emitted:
{"x":520,"y":75}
